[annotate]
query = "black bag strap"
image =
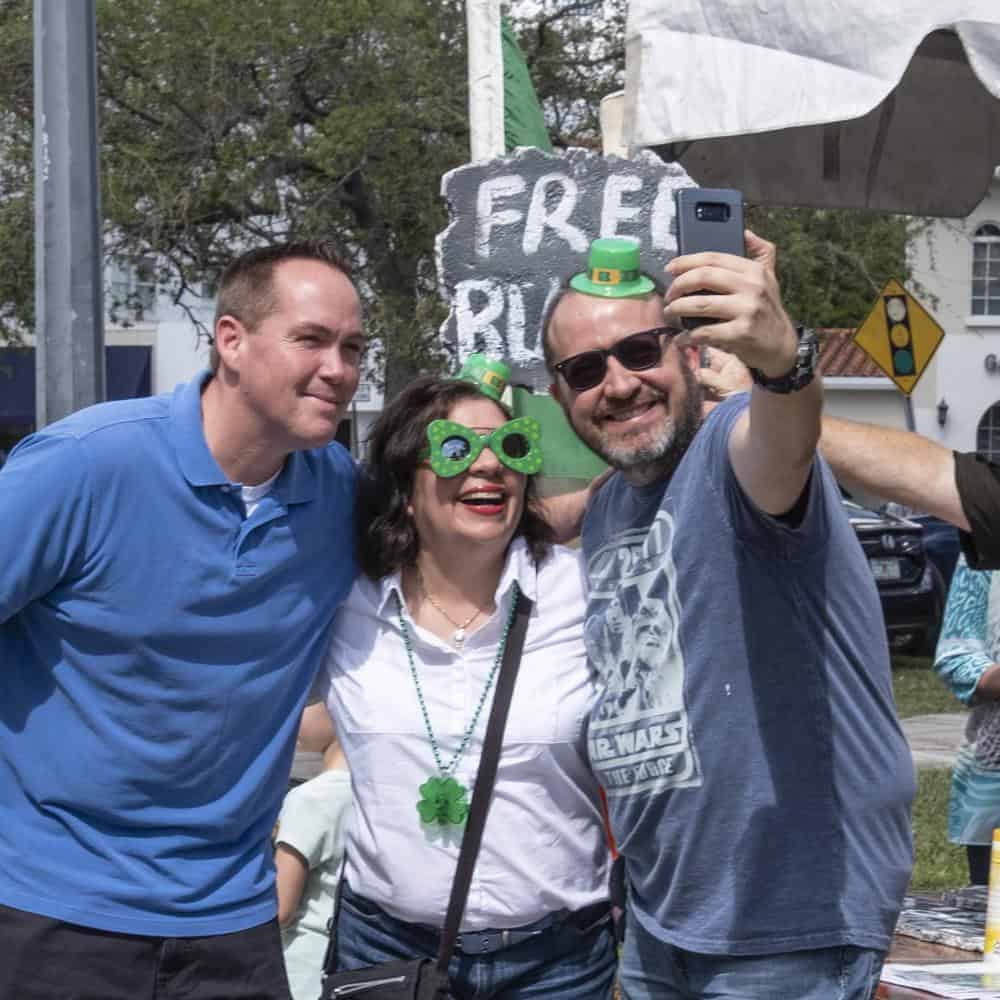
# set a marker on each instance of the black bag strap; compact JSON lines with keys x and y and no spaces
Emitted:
{"x":330,"y":954}
{"x":483,"y":790}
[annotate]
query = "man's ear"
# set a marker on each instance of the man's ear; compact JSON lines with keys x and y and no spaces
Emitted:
{"x":229,"y":336}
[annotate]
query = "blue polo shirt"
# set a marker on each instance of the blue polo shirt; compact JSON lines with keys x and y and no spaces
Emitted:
{"x":156,"y":648}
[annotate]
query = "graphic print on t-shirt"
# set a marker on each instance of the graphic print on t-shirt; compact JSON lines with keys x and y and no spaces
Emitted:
{"x":639,"y":740}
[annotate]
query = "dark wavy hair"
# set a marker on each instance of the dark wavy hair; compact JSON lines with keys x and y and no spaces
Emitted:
{"x":387,"y":536}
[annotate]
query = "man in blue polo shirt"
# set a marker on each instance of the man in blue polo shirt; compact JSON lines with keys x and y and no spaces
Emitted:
{"x":170,"y":566}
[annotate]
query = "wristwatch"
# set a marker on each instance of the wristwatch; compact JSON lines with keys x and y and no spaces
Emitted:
{"x":800,"y":374}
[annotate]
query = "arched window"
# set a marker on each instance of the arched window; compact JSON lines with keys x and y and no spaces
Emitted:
{"x":988,"y":434}
{"x":986,"y":271}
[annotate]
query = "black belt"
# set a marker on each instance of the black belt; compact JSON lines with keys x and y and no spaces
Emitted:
{"x":486,"y":941}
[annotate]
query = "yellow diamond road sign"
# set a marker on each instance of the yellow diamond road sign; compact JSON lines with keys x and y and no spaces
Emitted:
{"x":900,"y":336}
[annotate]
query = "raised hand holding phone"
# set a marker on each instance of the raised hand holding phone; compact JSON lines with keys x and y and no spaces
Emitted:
{"x":708,"y":219}
{"x":725,"y":299}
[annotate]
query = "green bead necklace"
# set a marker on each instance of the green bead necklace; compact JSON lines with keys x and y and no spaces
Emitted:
{"x":444,"y":800}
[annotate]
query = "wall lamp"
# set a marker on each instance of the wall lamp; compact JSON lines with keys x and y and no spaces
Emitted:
{"x":942,"y":412}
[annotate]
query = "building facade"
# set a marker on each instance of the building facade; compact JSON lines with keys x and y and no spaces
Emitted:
{"x":956,"y":274}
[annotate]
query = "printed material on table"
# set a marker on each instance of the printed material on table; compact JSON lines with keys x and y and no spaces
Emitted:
{"x":956,"y":980}
{"x":943,"y":922}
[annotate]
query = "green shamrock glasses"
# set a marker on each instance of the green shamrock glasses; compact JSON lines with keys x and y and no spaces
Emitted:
{"x":454,"y":447}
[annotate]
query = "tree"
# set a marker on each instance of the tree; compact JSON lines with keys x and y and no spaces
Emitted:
{"x":575,"y":51}
{"x":833,"y":263}
{"x":229,"y":125}
{"x":226,"y":125}
{"x":17,"y":276}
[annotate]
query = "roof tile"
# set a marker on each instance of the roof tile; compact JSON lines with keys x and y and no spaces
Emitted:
{"x":840,"y":357}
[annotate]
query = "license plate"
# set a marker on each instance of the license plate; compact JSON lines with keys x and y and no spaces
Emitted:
{"x":885,"y":569}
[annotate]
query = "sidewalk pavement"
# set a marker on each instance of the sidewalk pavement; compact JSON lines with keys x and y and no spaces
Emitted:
{"x":934,"y":739}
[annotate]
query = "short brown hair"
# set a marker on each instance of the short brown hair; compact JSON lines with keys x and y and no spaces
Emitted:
{"x":246,"y":289}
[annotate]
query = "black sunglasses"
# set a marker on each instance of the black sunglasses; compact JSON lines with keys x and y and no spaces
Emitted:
{"x":638,"y":353}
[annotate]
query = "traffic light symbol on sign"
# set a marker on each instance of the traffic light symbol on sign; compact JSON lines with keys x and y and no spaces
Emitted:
{"x":900,"y":335}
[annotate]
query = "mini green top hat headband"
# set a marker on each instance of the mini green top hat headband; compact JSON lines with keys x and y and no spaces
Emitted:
{"x":613,"y":271}
{"x":489,"y":375}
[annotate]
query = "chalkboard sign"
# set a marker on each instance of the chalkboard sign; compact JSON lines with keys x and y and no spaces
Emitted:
{"x":521,"y":224}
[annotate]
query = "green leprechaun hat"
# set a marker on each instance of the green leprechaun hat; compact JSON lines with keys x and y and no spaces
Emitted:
{"x":612,"y":271}
{"x":489,"y":374}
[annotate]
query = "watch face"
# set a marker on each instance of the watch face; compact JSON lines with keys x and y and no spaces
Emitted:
{"x":808,"y":348}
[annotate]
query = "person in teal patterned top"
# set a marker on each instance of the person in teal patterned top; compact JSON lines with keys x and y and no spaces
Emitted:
{"x":968,"y":661}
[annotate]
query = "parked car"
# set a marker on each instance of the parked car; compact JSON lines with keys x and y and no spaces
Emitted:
{"x":910,"y":586}
{"x":940,"y":538}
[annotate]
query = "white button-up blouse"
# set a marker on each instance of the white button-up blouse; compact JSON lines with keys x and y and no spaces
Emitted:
{"x":544,"y":847}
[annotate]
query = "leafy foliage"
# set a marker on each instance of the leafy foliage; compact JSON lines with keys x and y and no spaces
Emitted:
{"x":229,"y":125}
{"x":575,"y":51}
{"x":226,"y":125}
{"x":832,"y":264}
{"x":17,"y":276}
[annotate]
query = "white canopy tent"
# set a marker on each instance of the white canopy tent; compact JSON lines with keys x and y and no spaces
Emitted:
{"x":885,"y":104}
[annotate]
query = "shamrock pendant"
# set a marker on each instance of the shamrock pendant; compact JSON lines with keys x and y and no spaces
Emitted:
{"x":443,"y":800}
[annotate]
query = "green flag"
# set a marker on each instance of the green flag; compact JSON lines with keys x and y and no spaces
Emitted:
{"x":564,"y":456}
{"x":524,"y":123}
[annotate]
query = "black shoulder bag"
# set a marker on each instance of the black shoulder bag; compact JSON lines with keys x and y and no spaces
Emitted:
{"x":425,"y":978}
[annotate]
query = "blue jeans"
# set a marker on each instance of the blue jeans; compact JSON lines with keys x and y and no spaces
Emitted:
{"x":562,"y":961}
{"x":653,"y":970}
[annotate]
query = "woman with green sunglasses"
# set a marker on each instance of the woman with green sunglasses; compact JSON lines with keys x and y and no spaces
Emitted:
{"x":449,"y":536}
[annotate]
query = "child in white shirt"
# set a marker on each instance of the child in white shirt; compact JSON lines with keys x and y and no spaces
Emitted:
{"x":309,"y":848}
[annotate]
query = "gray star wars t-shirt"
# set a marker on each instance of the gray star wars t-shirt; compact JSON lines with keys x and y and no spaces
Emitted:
{"x":758,"y":781}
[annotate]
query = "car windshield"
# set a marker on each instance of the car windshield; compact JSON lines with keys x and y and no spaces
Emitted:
{"x":900,"y":510}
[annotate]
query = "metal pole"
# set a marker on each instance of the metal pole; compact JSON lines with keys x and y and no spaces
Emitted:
{"x":69,"y":307}
{"x":486,"y":124}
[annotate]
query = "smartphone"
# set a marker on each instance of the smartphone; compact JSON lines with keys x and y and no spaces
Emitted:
{"x":709,"y":219}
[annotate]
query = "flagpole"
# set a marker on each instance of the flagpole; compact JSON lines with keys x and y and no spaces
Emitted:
{"x":486,"y":121}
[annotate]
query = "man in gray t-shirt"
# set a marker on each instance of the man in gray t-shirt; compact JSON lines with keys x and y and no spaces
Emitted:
{"x":758,"y":782}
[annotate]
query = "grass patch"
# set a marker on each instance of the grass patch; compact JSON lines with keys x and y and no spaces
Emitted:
{"x":938,"y":863}
{"x":917,"y":689}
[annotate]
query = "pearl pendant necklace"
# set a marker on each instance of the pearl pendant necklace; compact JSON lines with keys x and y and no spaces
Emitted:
{"x":458,"y":636}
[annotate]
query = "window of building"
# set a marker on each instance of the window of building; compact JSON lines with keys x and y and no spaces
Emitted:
{"x":132,"y":290}
{"x":988,"y":434}
{"x":986,"y":271}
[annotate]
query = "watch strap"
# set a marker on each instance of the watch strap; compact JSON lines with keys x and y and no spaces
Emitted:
{"x":802,"y":371}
